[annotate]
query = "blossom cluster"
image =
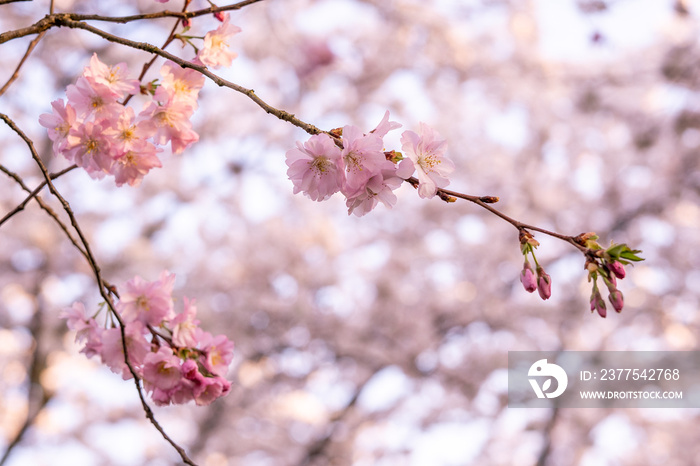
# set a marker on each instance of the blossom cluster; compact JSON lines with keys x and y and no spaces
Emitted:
{"x":175,"y":358}
{"x":356,"y":165}
{"x":97,"y":131}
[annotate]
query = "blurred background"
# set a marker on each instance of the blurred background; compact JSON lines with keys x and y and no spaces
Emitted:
{"x":380,"y":340}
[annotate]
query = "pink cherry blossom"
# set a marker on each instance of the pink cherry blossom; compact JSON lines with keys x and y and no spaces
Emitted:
{"x":214,"y":387}
{"x":184,"y":325}
{"x":161,"y":369}
{"x":385,"y":126}
{"x":379,"y":188}
{"x":364,"y":158}
{"x":132,"y":165}
{"x":171,"y":122}
{"x":315,"y":167}
{"x":427,"y":152}
{"x":111,"y":78}
{"x":89,"y":147}
{"x":147,"y":302}
{"x":179,"y":84}
{"x":88,"y":100}
{"x":86,"y":328}
{"x":136,"y":346}
{"x":59,"y":124}
{"x":215,"y":51}
{"x":218,"y":351}
{"x":127,"y":133}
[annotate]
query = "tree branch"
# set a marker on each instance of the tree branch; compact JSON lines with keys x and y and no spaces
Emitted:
{"x":103,"y":287}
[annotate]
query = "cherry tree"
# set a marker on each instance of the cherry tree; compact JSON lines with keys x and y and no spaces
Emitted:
{"x":356,"y":194}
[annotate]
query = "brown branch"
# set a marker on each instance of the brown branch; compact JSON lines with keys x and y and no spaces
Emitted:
{"x":5,"y":2}
{"x":103,"y":287}
{"x":281,"y":114}
{"x":485,"y":203}
{"x":52,"y":20}
{"x":15,"y":75}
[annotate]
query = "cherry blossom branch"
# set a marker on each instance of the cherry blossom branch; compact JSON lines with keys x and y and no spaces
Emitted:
{"x":167,"y":42}
{"x":482,"y":201}
{"x":53,"y":20}
{"x":104,"y":288}
{"x":250,"y":93}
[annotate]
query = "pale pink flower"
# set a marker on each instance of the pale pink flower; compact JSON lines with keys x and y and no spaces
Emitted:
{"x":427,"y":152}
{"x":364,"y":158}
{"x":218,"y":351}
{"x":132,"y":165}
{"x":215,"y":51}
{"x":86,"y":328}
{"x":137,"y":347}
{"x":170,"y":122}
{"x":185,"y":326}
{"x":89,"y":147}
{"x":214,"y":387}
{"x":179,"y":84}
{"x":385,"y":126}
{"x":147,"y":302}
{"x":127,"y":133}
{"x":89,"y":100}
{"x":112,"y":78}
{"x":315,"y":167}
{"x":161,"y":369}
{"x":59,"y":124}
{"x":379,"y":188}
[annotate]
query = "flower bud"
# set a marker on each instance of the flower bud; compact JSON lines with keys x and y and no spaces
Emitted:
{"x":544,"y":283}
{"x":186,"y":22}
{"x":616,"y":299}
{"x":598,"y":304}
{"x":527,"y":278}
{"x":220,"y":16}
{"x":617,"y":268}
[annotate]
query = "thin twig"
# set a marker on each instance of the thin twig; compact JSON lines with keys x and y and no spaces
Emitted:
{"x":15,"y":75}
{"x":281,"y":114}
{"x":485,"y":203}
{"x":103,"y":287}
{"x":51,"y":20}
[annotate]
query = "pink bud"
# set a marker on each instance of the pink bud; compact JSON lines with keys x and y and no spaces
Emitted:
{"x":618,"y":269}
{"x":598,"y":304}
{"x":186,"y":22}
{"x":616,"y":300}
{"x":544,"y":283}
{"x":220,"y":16}
{"x":527,"y":278}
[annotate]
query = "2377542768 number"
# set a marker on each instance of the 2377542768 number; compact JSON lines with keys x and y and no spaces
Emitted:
{"x":640,"y":374}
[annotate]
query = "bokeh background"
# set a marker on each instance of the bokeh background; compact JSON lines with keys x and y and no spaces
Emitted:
{"x":379,"y":340}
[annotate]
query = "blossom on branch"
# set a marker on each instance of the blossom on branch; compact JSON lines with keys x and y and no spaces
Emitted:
{"x":177,"y":360}
{"x":215,"y":51}
{"x":315,"y":167}
{"x":427,"y":152}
